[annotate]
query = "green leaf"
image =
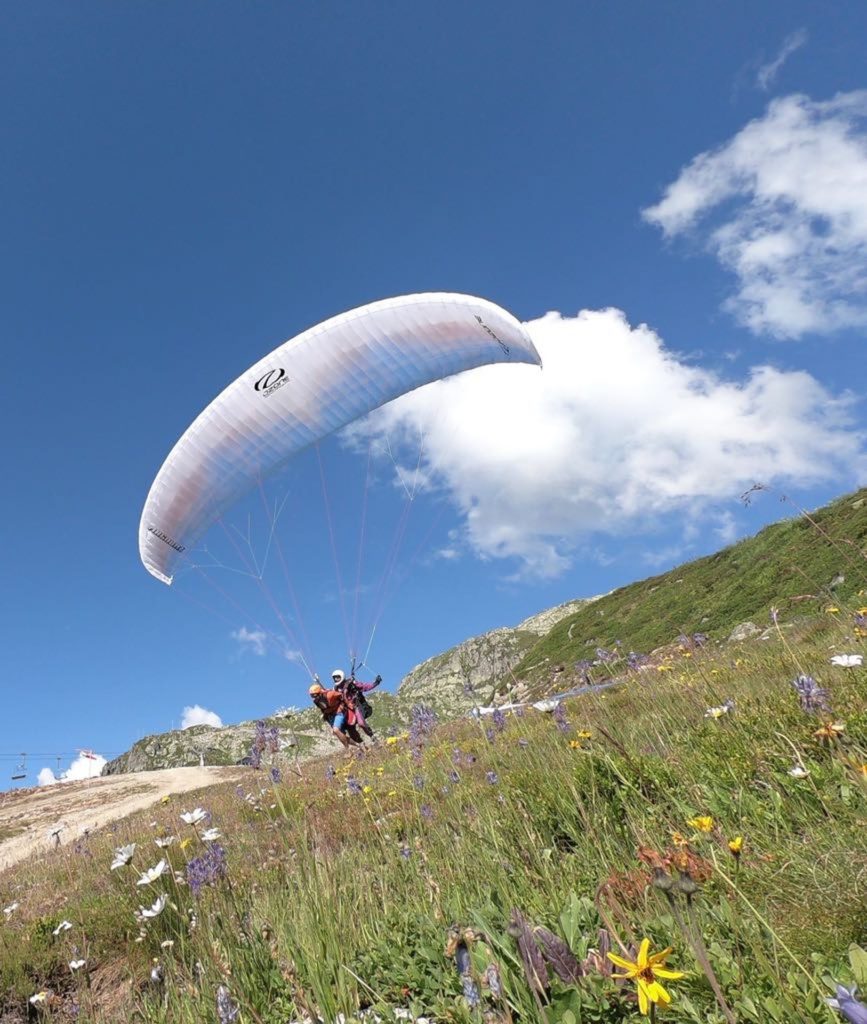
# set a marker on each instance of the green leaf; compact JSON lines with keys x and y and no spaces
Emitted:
{"x":570,"y":920}
{"x":773,"y":1008}
{"x":858,"y":960}
{"x":749,"y":1006}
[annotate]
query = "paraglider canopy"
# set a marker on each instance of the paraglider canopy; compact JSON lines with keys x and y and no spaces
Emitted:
{"x":309,"y":387}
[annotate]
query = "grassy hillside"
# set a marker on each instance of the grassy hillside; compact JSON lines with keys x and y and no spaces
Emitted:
{"x":482,"y":871}
{"x":789,"y":565}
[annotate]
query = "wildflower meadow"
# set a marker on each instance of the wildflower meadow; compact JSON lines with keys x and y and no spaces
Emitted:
{"x":688,"y":845}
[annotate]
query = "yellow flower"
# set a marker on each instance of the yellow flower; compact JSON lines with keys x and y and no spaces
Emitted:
{"x":644,"y":971}
{"x":830,"y":731}
{"x":186,"y":842}
{"x":165,"y":799}
{"x":678,"y":839}
{"x":864,"y":771}
{"x":575,"y":744}
{"x":704,"y":823}
{"x":391,"y":792}
{"x":663,"y":668}
{"x":391,"y":740}
{"x":367,"y":789}
{"x":832,"y":610}
{"x":687,"y":654}
{"x":736,"y":845}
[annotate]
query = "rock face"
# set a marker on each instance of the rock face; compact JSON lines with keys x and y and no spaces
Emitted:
{"x":744,"y":631}
{"x":543,"y":622}
{"x":203,"y":744}
{"x":468,"y":675}
{"x":301,"y":735}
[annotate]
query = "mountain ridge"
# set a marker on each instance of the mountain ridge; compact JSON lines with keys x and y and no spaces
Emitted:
{"x":713,"y":596}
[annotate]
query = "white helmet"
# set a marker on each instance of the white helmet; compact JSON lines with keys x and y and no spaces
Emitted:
{"x":338,"y":676}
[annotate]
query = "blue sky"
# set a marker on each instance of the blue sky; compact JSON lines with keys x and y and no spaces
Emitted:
{"x":185,"y":188}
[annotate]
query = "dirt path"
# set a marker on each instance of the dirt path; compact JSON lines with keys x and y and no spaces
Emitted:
{"x":28,"y":817}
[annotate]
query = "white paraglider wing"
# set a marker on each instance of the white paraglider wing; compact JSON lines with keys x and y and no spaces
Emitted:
{"x":307,"y":388}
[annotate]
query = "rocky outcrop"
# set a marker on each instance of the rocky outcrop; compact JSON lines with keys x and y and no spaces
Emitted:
{"x":543,"y":622}
{"x":744,"y":631}
{"x":298,"y":735}
{"x":473,"y":672}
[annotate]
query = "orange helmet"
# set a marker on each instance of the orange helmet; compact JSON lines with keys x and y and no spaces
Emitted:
{"x":315,"y":689}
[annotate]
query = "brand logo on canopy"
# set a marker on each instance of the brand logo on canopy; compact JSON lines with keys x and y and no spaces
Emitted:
{"x":269,"y":382}
{"x":485,"y":327}
{"x":166,"y":539}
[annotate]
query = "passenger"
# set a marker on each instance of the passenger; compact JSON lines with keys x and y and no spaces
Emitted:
{"x":332,"y":704}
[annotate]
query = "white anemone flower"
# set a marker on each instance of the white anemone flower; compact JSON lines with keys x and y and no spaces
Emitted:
{"x":154,"y":911}
{"x":122,"y":856}
{"x":211,"y":834}
{"x":798,"y":771}
{"x":152,"y":874}
{"x":76,"y":965}
{"x":195,"y":816}
{"x":10,"y":910}
{"x":165,"y":841}
{"x":848,"y":660}
{"x":64,"y":926}
{"x":40,"y":997}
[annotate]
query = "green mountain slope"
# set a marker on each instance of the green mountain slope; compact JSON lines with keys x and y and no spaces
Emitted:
{"x":793,"y":565}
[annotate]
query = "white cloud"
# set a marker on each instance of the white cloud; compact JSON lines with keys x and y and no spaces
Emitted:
{"x":612,"y":435}
{"x":790,"y":196}
{"x":81,"y":768}
{"x":197,"y":715}
{"x":767,"y":73}
{"x":254,"y":640}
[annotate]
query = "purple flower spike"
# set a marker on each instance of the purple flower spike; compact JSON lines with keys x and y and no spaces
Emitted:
{"x":852,"y":1009}
{"x":207,"y":869}
{"x":812,"y":697}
